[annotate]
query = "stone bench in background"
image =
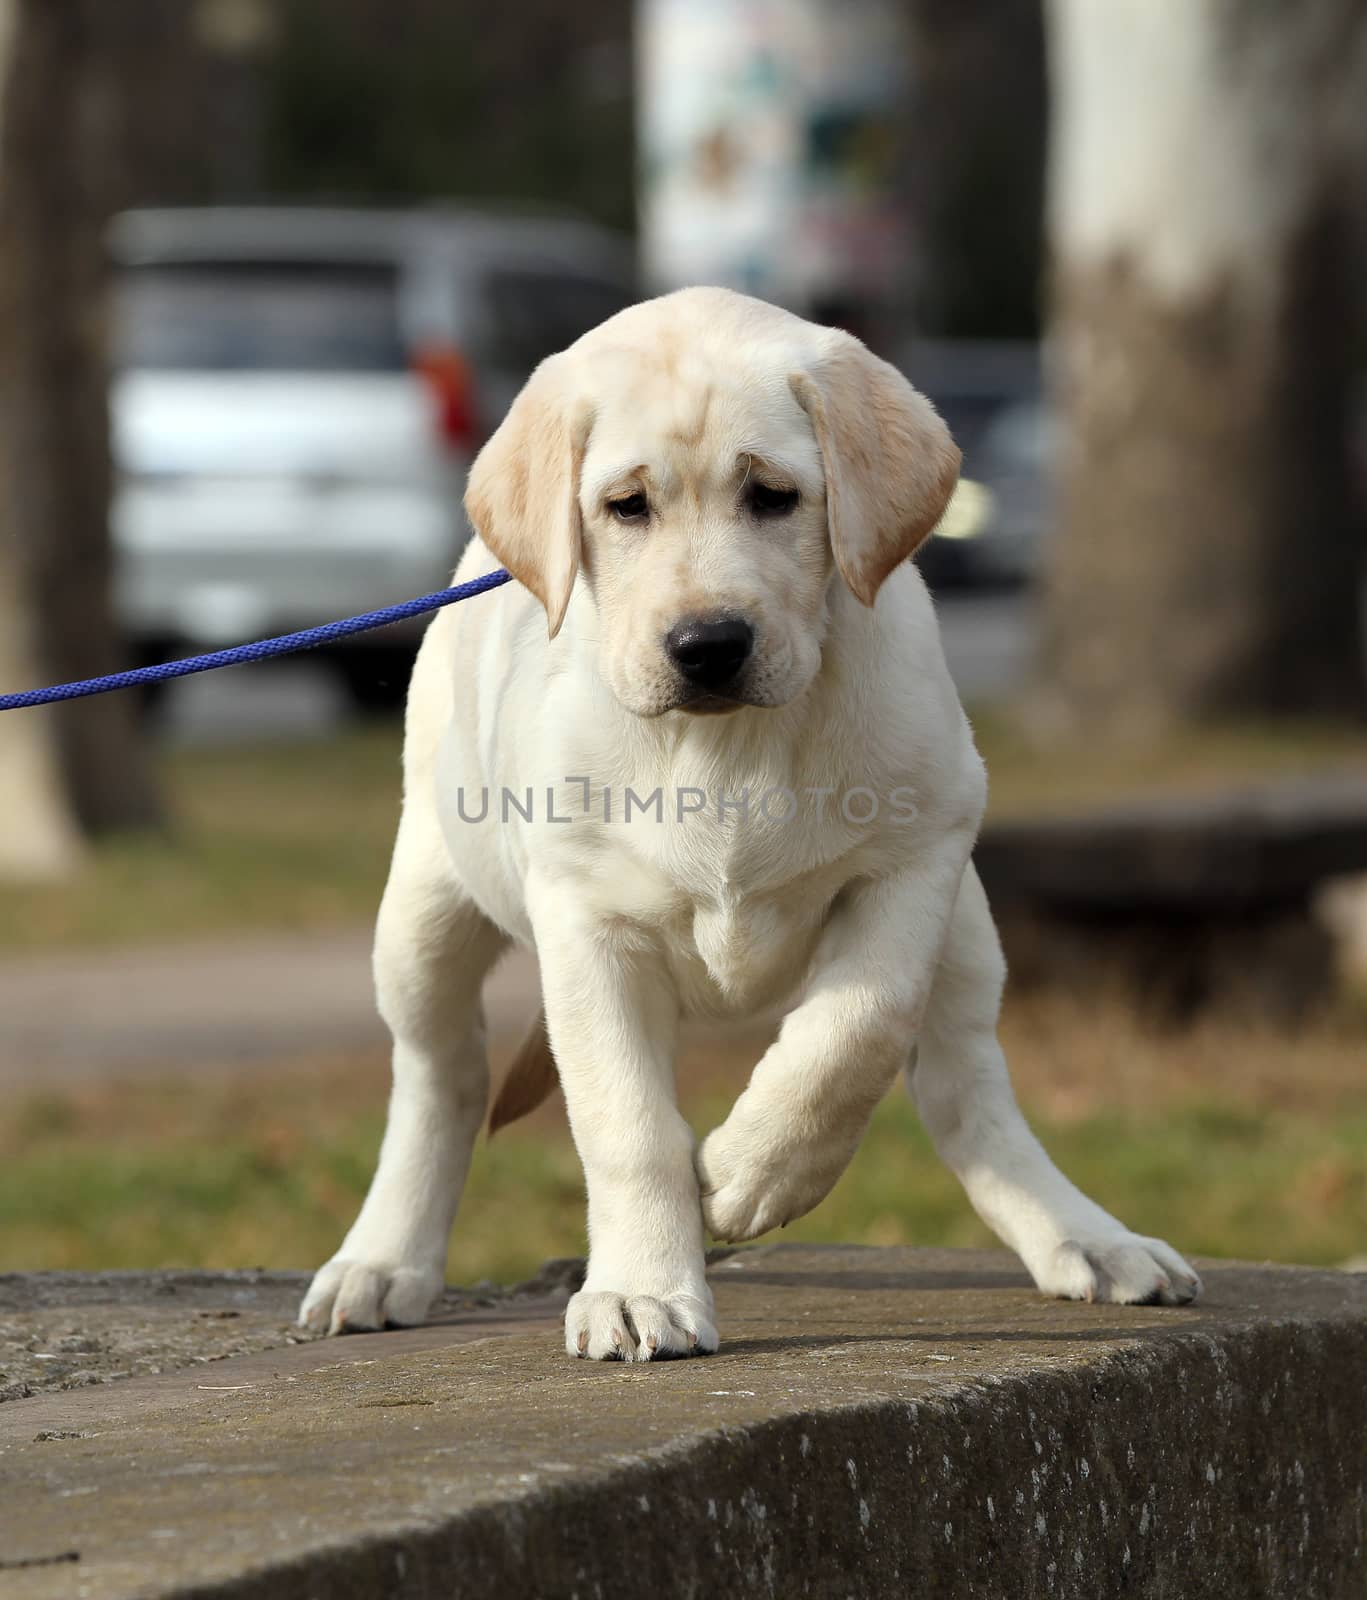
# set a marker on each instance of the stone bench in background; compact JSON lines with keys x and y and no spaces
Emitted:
{"x":1185,"y":901}
{"x":878,"y":1423}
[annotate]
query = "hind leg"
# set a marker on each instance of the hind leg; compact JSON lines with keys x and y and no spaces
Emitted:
{"x":958,"y":1078}
{"x":433,"y":948}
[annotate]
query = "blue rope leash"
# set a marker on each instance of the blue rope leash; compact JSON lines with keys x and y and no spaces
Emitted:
{"x":262,"y":650}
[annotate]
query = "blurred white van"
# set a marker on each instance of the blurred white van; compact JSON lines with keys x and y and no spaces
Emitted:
{"x":298,"y":395}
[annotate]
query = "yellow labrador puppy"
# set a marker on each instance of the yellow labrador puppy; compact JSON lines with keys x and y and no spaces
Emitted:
{"x":706,"y":759}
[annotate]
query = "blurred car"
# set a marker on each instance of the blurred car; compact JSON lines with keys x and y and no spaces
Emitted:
{"x":995,"y":527}
{"x":989,"y":392}
{"x":298,"y":396}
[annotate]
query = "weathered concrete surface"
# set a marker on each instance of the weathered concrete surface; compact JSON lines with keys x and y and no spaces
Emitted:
{"x":70,"y":1330}
{"x":879,"y":1422}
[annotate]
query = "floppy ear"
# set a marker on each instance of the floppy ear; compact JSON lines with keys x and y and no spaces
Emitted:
{"x":889,"y":461}
{"x":523,"y":493}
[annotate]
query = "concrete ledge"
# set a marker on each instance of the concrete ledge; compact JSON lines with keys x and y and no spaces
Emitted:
{"x":879,"y":1422}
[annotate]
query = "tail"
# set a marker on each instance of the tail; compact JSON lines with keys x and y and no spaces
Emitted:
{"x":531,"y":1079}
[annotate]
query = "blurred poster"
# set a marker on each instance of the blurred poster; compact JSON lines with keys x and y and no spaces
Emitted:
{"x":768,"y":132}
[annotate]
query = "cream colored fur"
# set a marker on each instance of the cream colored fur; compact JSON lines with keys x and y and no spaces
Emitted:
{"x":872,"y":932}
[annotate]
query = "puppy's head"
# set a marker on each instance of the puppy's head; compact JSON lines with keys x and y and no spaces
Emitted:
{"x":708,"y":463}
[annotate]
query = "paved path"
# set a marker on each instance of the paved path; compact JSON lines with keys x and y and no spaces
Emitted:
{"x":209,"y":1004}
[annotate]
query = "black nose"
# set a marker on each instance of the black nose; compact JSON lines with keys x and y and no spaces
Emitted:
{"x":710,"y":654}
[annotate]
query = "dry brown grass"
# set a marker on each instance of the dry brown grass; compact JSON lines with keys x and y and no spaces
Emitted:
{"x":1072,"y":1059}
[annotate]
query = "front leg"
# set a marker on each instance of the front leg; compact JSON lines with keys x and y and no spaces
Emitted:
{"x":959,"y":1081}
{"x":613,"y":1023}
{"x":794,"y":1129}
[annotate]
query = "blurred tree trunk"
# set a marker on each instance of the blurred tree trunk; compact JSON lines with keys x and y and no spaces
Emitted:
{"x":1202,"y":180}
{"x":58,"y":128}
{"x":974,"y":165}
{"x":38,"y":838}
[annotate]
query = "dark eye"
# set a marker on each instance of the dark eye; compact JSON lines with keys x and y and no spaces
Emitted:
{"x":630,"y":508}
{"x":768,"y":501}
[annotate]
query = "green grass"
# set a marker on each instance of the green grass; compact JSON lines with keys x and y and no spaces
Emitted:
{"x":290,"y":837}
{"x":227,"y":1175}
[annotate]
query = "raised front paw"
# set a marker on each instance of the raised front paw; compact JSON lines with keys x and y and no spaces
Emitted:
{"x":752,"y":1180}
{"x":352,"y":1296}
{"x":1122,"y":1268}
{"x":604,"y":1326}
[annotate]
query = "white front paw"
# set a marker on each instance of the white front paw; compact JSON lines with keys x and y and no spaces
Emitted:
{"x":353,"y":1296}
{"x":752,"y":1179}
{"x":1122,"y":1268}
{"x":601,"y":1325}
